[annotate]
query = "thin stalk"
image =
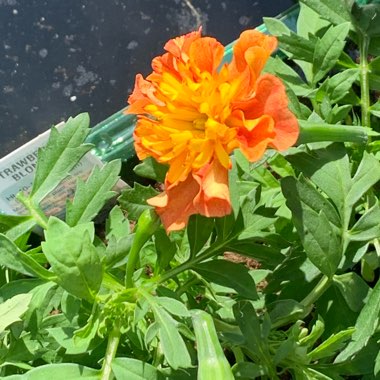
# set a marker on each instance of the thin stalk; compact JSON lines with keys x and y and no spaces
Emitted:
{"x":316,"y":132}
{"x":364,"y":81}
{"x":209,"y":252}
{"x":182,"y":289}
{"x":113,"y":343}
{"x":323,"y":284}
{"x":131,"y":265}
{"x":34,"y":210}
{"x":238,"y":353}
{"x":146,"y":226}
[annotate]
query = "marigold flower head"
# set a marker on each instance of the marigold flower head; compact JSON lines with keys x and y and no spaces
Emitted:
{"x":194,"y":111}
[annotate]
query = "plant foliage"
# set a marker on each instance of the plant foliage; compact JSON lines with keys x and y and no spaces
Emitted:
{"x":286,"y":287}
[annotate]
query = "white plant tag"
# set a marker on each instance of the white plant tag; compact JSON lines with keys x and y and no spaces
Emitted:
{"x":17,"y":172}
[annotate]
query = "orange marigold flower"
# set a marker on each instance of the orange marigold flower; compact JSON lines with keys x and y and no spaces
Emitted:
{"x":194,"y":111}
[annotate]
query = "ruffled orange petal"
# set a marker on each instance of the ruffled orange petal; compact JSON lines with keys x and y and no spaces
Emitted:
{"x":143,"y":94}
{"x":176,"y":204}
{"x":252,"y":50}
{"x":255,"y":136}
{"x":179,"y":46}
{"x":205,"y":192}
{"x":161,"y":64}
{"x":211,"y":56}
{"x":271,"y":100}
{"x":213,"y":199}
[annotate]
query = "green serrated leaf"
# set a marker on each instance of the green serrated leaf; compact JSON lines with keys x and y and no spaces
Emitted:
{"x":42,"y":303}
{"x":173,"y":306}
{"x":61,"y":153}
{"x":199,"y":230}
{"x":377,"y":365}
{"x":117,"y":250}
{"x":319,"y":238}
{"x":73,"y":257}
{"x":321,"y":243}
{"x":255,"y":333}
{"x":150,"y":168}
{"x":331,"y":10}
{"x":367,"y":174}
{"x":329,"y":169}
{"x":229,"y":274}
{"x":165,"y":248}
{"x":368,"y":226}
{"x":61,"y":371}
{"x":375,"y":109}
{"x":315,"y":333}
{"x":283,"y":312}
{"x":117,"y":224}
{"x":328,"y":50}
{"x":374,"y":82}
{"x":366,"y":19}
{"x":338,"y":85}
{"x":13,"y":258}
{"x":151,"y":333}
{"x":353,"y":289}
{"x":133,"y":369}
{"x":312,"y":374}
{"x":14,"y":226}
{"x":339,"y":113}
{"x":172,"y":344}
{"x":331,"y":345}
{"x":134,"y":200}
{"x":248,"y":370}
{"x":365,"y":325}
{"x":309,"y":22}
{"x":280,"y":166}
{"x":119,"y":238}
{"x":66,"y":337}
{"x":293,"y":44}
{"x":12,"y":309}
{"x":300,"y":110}
{"x":92,"y":195}
{"x":312,"y":198}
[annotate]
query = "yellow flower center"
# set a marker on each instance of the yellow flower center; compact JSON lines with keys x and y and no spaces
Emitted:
{"x":192,"y":127}
{"x":200,"y":122}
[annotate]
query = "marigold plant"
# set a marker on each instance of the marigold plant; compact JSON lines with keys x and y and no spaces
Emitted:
{"x":285,"y":287}
{"x":195,"y":110}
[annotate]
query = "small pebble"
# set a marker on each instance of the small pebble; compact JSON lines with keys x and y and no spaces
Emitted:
{"x":43,"y":53}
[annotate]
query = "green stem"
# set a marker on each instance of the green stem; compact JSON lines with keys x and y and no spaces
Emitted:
{"x":316,"y":132}
{"x":209,"y":252}
{"x":34,"y":210}
{"x":131,"y":264}
{"x":323,"y":284}
{"x":146,"y":226}
{"x":364,"y":81}
{"x":315,"y":105}
{"x":113,"y":343}
{"x":188,"y":284}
